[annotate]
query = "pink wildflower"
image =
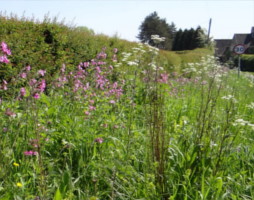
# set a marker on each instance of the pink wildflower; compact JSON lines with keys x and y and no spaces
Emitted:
{"x":32,"y":82}
{"x":86,"y":64}
{"x":93,"y":62}
{"x":163,"y":78}
{"x":92,"y":108}
{"x":114,"y":58}
{"x":8,"y":112}
{"x":42,"y":85}
{"x":5,"y":49}
{"x":23,"y":75}
{"x":22,"y":91}
{"x":4,"y":85}
{"x":91,"y":101}
{"x":28,"y":68}
{"x":98,"y":140}
{"x":115,"y":50}
{"x":63,"y":68}
{"x":112,"y":102}
{"x":98,"y":69}
{"x":34,"y":143}
{"x":102,"y":55}
{"x":4,"y":59}
{"x":30,"y":153}
{"x":36,"y":96}
{"x":87,"y":113}
{"x":42,"y":72}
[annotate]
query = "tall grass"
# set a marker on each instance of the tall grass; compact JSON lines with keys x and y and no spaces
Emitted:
{"x":127,"y":129}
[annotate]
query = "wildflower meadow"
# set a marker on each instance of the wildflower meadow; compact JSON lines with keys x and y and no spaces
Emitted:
{"x":122,"y":126}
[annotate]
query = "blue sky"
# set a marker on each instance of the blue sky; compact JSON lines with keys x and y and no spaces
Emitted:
{"x":123,"y":17}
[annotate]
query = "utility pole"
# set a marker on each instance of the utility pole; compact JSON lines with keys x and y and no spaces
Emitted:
{"x":209,"y":30}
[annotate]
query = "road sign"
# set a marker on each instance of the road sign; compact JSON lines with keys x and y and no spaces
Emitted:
{"x":239,"y":49}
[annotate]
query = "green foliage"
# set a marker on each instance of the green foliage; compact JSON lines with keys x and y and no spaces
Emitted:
{"x":153,"y":25}
{"x":247,"y":62}
{"x":129,"y":129}
{"x":49,"y":44}
{"x":176,"y":61}
{"x":190,"y":39}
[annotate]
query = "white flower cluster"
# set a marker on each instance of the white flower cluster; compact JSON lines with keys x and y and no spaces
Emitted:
{"x":242,"y":122}
{"x":191,"y":67}
{"x":230,"y":98}
{"x":126,"y":56}
{"x":133,"y":63}
{"x":251,"y":105}
{"x":157,"y":39}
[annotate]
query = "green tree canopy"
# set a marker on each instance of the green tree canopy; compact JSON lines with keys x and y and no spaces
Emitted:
{"x":154,"y":25}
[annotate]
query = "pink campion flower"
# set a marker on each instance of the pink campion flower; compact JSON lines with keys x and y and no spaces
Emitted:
{"x":98,"y":69}
{"x":86,"y":64}
{"x":91,"y":101}
{"x":111,"y":67}
{"x":42,"y":72}
{"x":87,"y":113}
{"x":22,"y":91}
{"x":112,"y":102}
{"x":93,"y":62}
{"x":8,"y":112}
{"x":86,"y":87}
{"x":115,"y":50}
{"x":5,"y":49}
{"x":30,"y":153}
{"x":92,"y":108}
{"x":23,"y":75}
{"x":4,"y":59}
{"x":34,"y":143}
{"x":115,"y":84}
{"x":28,"y":68}
{"x":163,"y":78}
{"x":4,"y":85}
{"x":36,"y":96}
{"x":63,"y":68}
{"x":99,"y":140}
{"x":32,"y":82}
{"x":102,"y":55}
{"x":114,"y":58}
{"x":42,"y":85}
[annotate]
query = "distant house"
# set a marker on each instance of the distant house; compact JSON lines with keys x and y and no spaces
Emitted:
{"x":224,"y":47}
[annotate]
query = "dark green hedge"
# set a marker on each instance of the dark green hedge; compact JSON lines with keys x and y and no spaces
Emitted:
{"x":247,"y":62}
{"x":48,"y":44}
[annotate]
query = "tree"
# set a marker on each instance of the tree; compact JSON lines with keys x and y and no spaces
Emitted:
{"x":178,"y":37}
{"x":190,"y":39}
{"x":153,"y":25}
{"x":200,"y":38}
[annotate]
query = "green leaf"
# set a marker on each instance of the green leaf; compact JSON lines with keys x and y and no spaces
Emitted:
{"x":44,"y":99}
{"x":58,"y":195}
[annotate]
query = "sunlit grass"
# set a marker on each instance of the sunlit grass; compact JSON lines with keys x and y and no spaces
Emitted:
{"x":128,"y":129}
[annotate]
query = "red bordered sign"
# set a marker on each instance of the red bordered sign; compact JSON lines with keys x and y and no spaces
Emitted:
{"x":239,"y":49}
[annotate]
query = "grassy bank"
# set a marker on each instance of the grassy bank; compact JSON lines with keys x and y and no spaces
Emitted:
{"x":127,"y":129}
